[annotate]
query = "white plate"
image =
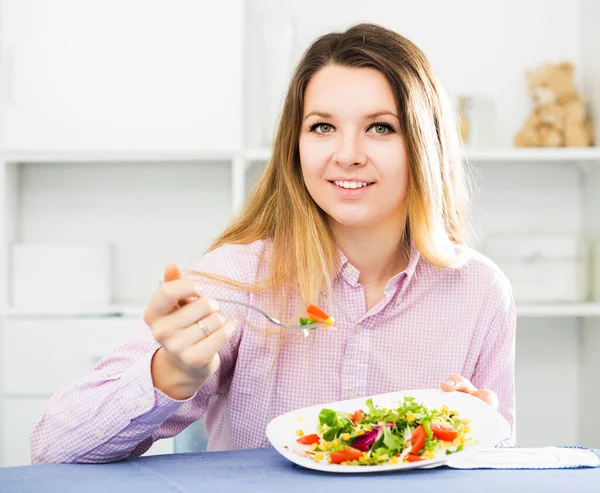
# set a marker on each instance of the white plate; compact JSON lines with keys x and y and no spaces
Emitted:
{"x":488,"y":427}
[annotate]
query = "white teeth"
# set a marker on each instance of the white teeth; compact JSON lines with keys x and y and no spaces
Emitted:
{"x":351,"y":184}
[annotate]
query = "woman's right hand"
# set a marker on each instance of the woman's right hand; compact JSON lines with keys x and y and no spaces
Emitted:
{"x":190,"y":329}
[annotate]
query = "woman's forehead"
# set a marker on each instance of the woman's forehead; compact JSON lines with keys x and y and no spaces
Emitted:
{"x":336,"y":91}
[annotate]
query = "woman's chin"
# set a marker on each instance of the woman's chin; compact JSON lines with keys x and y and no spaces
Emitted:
{"x":354,"y":220}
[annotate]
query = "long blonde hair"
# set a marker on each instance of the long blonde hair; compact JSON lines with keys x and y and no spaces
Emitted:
{"x":304,"y":256}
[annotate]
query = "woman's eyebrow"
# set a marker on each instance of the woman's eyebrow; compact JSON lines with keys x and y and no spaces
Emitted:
{"x":382,"y":113}
{"x":370,"y":116}
{"x":319,"y":114}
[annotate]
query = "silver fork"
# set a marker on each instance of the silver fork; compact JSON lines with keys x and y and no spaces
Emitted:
{"x":304,"y":328}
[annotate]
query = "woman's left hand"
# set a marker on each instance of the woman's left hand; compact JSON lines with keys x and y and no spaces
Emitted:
{"x":457,"y":383}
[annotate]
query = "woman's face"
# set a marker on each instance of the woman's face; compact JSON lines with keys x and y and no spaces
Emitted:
{"x":353,"y":157}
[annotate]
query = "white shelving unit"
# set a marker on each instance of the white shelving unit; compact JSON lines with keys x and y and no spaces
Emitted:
{"x":161,"y":188}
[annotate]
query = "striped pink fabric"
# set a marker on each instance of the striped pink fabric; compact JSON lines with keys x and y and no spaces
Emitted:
{"x":431,"y":323}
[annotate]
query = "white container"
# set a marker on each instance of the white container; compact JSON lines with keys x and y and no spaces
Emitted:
{"x":60,"y":276}
{"x":542,"y":268}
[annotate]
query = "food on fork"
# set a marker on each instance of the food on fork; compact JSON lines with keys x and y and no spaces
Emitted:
{"x":314,"y":314}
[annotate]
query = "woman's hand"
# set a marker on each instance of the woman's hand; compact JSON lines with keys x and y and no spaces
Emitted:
{"x":190,"y":329}
{"x":457,"y":383}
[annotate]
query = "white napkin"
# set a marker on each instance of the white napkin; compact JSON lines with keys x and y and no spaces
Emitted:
{"x":526,"y":458}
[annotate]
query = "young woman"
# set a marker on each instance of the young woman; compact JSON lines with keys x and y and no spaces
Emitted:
{"x":362,"y":209}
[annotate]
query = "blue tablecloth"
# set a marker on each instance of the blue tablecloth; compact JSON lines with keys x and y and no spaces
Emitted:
{"x":264,"y":470}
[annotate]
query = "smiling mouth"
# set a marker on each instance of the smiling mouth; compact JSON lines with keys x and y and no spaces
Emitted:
{"x":351,"y":185}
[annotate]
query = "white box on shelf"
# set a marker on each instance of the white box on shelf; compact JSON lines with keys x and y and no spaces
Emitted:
{"x":542,"y":268}
{"x":66,"y":276}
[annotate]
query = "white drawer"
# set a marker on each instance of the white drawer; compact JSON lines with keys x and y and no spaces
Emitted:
{"x":40,"y":356}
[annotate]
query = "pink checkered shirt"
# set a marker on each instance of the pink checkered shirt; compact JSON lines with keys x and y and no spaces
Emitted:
{"x":431,"y":323}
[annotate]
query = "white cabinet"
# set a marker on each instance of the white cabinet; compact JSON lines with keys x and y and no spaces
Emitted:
{"x":114,"y":75}
{"x":41,"y":356}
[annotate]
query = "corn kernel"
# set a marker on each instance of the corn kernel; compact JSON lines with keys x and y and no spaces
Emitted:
{"x":393,"y":461}
{"x":457,"y":441}
{"x":455,"y":413}
{"x":319,"y":456}
{"x":368,"y":428}
{"x":335,"y":443}
{"x":445,"y":409}
{"x":346,"y":437}
{"x":466,"y":421}
{"x":325,"y":445}
{"x":299,"y":433}
{"x":410,"y":417}
{"x":314,"y":446}
{"x":360,"y":432}
{"x":430,"y":454}
{"x":467,"y":429}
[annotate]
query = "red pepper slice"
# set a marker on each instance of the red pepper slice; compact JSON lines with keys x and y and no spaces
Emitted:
{"x":418,"y":439}
{"x":309,"y":439}
{"x":347,"y":454}
{"x":443,"y":431}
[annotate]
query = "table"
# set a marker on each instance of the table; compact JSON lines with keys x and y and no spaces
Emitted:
{"x":264,"y":470}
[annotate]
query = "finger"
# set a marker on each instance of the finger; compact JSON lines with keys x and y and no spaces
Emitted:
{"x":172,"y":273}
{"x":187,"y":315}
{"x":166,"y":298}
{"x":208,"y":347}
{"x":457,"y":383}
{"x":487,"y":396}
{"x":196,"y":332}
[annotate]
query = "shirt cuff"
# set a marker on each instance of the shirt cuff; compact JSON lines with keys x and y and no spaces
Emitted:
{"x":141,"y":399}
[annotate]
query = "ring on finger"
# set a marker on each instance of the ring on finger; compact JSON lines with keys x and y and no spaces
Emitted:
{"x":203,"y":328}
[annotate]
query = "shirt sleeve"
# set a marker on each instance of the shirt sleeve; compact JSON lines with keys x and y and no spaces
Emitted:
{"x":495,"y":367}
{"x":115,"y":412}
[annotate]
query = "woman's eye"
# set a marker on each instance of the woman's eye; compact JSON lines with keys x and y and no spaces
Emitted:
{"x":323,"y":128}
{"x":381,"y":128}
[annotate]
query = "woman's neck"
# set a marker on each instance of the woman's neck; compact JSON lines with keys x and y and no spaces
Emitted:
{"x":377,"y":252}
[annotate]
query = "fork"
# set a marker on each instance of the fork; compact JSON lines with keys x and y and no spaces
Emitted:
{"x":304,"y":328}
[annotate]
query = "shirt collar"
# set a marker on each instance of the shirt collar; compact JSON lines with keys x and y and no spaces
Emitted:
{"x":351,"y":274}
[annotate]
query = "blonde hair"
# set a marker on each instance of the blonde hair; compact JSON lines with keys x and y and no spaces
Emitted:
{"x":304,"y":256}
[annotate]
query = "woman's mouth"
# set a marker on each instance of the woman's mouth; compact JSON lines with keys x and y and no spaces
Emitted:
{"x":351,"y":188}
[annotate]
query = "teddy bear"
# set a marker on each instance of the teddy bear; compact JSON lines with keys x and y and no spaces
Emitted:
{"x":558,"y":117}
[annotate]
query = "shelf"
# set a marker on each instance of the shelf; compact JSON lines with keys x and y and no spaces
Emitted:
{"x":574,"y":154}
{"x":487,"y":155}
{"x":115,"y":156}
{"x":130,"y":311}
{"x":558,"y":310}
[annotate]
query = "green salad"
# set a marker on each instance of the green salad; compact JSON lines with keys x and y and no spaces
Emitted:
{"x":410,"y":432}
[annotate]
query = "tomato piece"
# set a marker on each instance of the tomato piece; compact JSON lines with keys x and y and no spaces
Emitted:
{"x":309,"y":439}
{"x":317,"y":314}
{"x":413,"y":458}
{"x":418,"y":439}
{"x":347,"y":454}
{"x":443,"y":431}
{"x":357,"y":416}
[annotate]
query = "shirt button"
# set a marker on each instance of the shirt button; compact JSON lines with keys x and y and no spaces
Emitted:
{"x":348,"y":271}
{"x":352,"y":395}
{"x":100,"y":433}
{"x":398,"y":300}
{"x":358,"y":328}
